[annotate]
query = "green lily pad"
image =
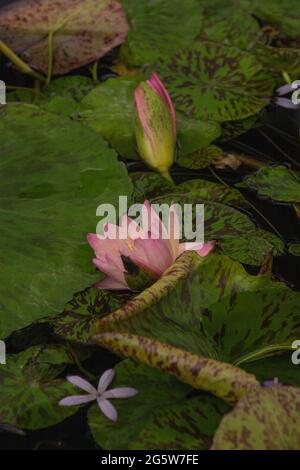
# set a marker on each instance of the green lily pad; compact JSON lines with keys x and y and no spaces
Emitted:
{"x":275,"y":182}
{"x":237,"y":235}
{"x":285,"y":15}
{"x":109,"y":110}
{"x":279,"y":366}
{"x":201,"y":158}
{"x":189,"y":425}
{"x":211,"y":81}
{"x":156,"y":391}
{"x":201,"y":306}
{"x":54,"y":174}
{"x":266,"y":419}
{"x":30,"y":390}
{"x":159,"y":28}
{"x":85,"y":307}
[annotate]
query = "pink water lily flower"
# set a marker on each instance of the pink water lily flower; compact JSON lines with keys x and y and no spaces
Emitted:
{"x":101,"y":394}
{"x":153,"y":249}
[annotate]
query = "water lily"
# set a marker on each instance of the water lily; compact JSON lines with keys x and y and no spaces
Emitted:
{"x":153,"y":249}
{"x":155,"y":125}
{"x":101,"y":394}
{"x":288,"y":103}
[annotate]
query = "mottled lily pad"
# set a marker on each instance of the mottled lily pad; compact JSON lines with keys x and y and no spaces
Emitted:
{"x":201,"y":158}
{"x":156,"y":391}
{"x":85,"y":307}
{"x":109,"y":110}
{"x":276,"y":182}
{"x":30,"y":390}
{"x":159,"y":28}
{"x":82,"y":31}
{"x":211,"y":81}
{"x":266,"y":419}
{"x":284,"y":15}
{"x":235,"y":232}
{"x":201,"y":306}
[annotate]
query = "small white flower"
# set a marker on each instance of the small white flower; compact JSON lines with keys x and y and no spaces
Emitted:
{"x":101,"y":394}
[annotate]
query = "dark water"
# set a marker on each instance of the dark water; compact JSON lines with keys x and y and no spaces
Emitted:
{"x":73,"y":433}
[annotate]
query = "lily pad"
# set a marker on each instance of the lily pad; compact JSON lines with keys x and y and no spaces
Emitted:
{"x":201,"y":158}
{"x":211,"y":81}
{"x":156,"y":391}
{"x":275,"y":182}
{"x":279,"y":366}
{"x":54,"y":174}
{"x":294,"y":249}
{"x":201,"y":306}
{"x":285,"y":15}
{"x":109,"y":110}
{"x":81,"y":31}
{"x":266,"y":419}
{"x":75,"y":322}
{"x":159,"y":28}
{"x":237,"y":235}
{"x":30,"y":390}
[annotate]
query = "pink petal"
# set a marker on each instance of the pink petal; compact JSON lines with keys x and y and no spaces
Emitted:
{"x":111,"y":284}
{"x":157,"y":85}
{"x":109,"y":267}
{"x":103,"y":247}
{"x":174,"y":231}
{"x":76,"y":400}
{"x":120,"y":392}
{"x":140,"y":103}
{"x":200,"y":248}
{"x":81,"y":383}
{"x":134,"y":230}
{"x":157,"y":252}
{"x":152,"y":223}
{"x":105,"y":380}
{"x":107,"y":409}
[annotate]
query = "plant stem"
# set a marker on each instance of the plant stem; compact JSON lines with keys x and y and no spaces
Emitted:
{"x":19,"y":62}
{"x":50,"y":57}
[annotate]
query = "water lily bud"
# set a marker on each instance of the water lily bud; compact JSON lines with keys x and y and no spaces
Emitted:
{"x":155,"y":127}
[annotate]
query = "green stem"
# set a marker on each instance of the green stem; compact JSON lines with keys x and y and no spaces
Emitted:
{"x":94,"y":70}
{"x":283,"y":152}
{"x":19,"y":62}
{"x":286,"y":77}
{"x":262,"y":353}
{"x":79,"y":365}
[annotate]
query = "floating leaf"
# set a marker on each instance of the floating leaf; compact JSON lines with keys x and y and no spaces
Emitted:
{"x":189,"y":425}
{"x":236,"y":233}
{"x":240,"y":85}
{"x":156,"y":391}
{"x":82,"y":31}
{"x":276,"y":182}
{"x":201,"y":305}
{"x":109,"y":110}
{"x":159,"y":28}
{"x":279,"y":366}
{"x":30,"y":391}
{"x":285,"y":15}
{"x":54,"y":174}
{"x":223,"y":380}
{"x":86,"y":307}
{"x":266,"y":419}
{"x":201,"y":158}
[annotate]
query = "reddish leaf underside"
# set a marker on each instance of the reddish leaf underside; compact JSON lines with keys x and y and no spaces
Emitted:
{"x":83,"y":31}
